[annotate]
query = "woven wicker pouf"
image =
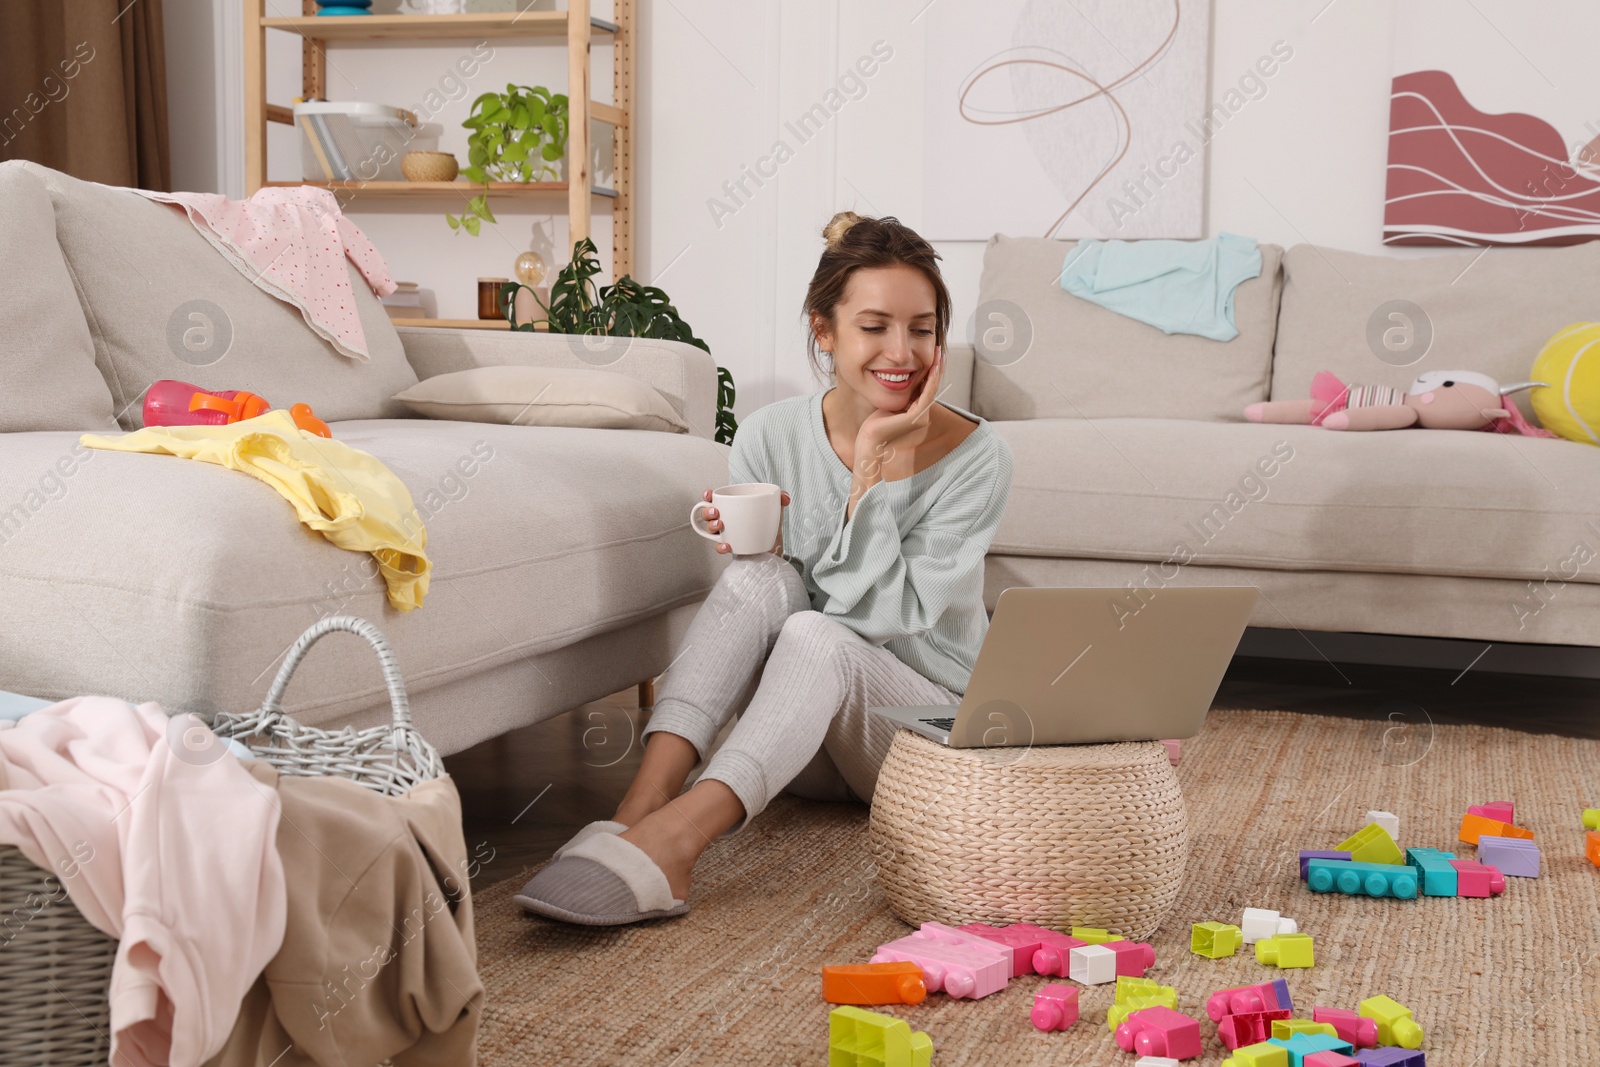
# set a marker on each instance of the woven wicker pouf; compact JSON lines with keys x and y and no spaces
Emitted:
{"x":1059,"y":835}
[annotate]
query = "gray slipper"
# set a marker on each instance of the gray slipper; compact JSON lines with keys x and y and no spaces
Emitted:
{"x":601,"y":826}
{"x":601,"y":881}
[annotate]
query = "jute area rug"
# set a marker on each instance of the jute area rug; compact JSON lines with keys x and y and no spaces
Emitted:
{"x":1511,"y":980}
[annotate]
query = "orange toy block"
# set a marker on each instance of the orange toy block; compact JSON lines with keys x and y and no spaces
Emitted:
{"x":1592,"y":847}
{"x":1475,"y":826}
{"x":873,"y":983}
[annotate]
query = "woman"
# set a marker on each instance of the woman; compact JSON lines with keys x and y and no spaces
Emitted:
{"x":877,"y":601}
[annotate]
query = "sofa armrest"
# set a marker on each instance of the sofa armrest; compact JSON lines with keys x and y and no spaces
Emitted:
{"x":684,"y":374}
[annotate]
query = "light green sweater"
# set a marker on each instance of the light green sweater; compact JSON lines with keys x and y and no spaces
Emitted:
{"x":906,"y":572}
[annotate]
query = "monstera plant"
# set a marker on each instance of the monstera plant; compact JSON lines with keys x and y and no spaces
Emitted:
{"x":516,"y":136}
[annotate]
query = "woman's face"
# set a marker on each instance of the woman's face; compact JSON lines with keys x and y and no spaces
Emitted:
{"x":882,"y":334}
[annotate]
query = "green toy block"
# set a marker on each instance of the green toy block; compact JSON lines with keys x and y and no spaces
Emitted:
{"x":1395,"y":1024}
{"x":1286,"y":950}
{"x":861,"y":1038}
{"x":1262,"y":1054}
{"x":1434,"y":872}
{"x":1372,"y":844}
{"x":1591,"y":818}
{"x":1214,"y":940}
{"x":1362,"y":879}
{"x":1092,"y":935}
{"x":1287,"y":1028}
{"x":1129,"y":987}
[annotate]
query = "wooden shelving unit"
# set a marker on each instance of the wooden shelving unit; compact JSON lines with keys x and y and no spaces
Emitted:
{"x":575,"y":26}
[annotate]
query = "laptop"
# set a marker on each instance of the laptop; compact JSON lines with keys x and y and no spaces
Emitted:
{"x":1080,"y":666}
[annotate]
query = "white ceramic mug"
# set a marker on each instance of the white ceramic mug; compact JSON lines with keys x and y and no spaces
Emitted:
{"x":749,"y":514}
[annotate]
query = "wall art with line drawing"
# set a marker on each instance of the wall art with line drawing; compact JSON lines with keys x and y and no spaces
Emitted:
{"x":1047,"y":119}
{"x":1494,"y":124}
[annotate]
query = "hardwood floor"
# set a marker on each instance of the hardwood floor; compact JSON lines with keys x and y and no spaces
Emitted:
{"x":526,"y":792}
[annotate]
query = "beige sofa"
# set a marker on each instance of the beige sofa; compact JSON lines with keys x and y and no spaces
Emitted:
{"x":564,"y":566}
{"x":1134,"y":467}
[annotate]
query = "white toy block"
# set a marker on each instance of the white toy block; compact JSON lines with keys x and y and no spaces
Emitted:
{"x":1288,"y":926}
{"x":1156,"y":1061}
{"x":1388,"y":820}
{"x":1092,"y":965}
{"x":1259,"y":923}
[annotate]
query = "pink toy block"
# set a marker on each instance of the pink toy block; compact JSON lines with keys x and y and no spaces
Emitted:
{"x":1501,"y":810}
{"x":1160,"y":1031}
{"x":1267,"y":996}
{"x":1350,"y":1026}
{"x":1175,"y":753}
{"x":1248,"y":1027}
{"x":1133,"y":957}
{"x":1055,"y":1007}
{"x":1329,"y":1058}
{"x":1054,"y":957}
{"x":1021,"y":938}
{"x":955,"y":936}
{"x":956,"y":969}
{"x":1474,"y":879}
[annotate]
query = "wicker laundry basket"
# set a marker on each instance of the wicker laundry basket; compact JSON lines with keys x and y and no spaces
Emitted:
{"x":1059,"y":835}
{"x":55,"y":967}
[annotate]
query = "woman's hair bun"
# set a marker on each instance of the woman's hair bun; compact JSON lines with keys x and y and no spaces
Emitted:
{"x":833,"y":233}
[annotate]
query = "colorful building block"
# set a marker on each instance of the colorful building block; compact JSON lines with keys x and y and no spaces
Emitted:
{"x":1329,"y":1059}
{"x":1118,"y":1012}
{"x":1093,"y":935}
{"x":1515,"y":856}
{"x":1286,"y":950}
{"x":1214,"y":940}
{"x":960,"y":970}
{"x":1362,"y":879}
{"x":873,"y":983}
{"x":1499,"y":810}
{"x":1133,"y":957}
{"x":1302,"y":1045}
{"x":1388,"y":820}
{"x":1395,"y":1024}
{"x":1309,"y":854}
{"x":1055,"y":1007}
{"x":1260,"y":1054}
{"x":1174,"y":751}
{"x":1248,"y":1027}
{"x":1264,"y":922}
{"x":1474,"y":879}
{"x":1267,"y":996}
{"x":1130,"y":988}
{"x":1591,"y":847}
{"x":1349,"y":1025}
{"x":1390,"y":1057}
{"x":1092,"y":965}
{"x":1286,"y":1028}
{"x":1160,"y":1031}
{"x":1591,"y":818}
{"x":1023,"y":939}
{"x":861,"y":1038}
{"x":1475,"y":826}
{"x":1054,"y":955}
{"x":1435,"y":876}
{"x":1372,"y":844}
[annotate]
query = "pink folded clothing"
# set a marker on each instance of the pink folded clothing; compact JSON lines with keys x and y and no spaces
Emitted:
{"x":292,"y":243}
{"x":163,"y":840}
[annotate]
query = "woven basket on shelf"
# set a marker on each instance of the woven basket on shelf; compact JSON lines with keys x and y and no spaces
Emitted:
{"x":55,"y":967}
{"x":1059,"y":835}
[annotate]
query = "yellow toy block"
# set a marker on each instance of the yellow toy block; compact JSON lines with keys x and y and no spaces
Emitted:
{"x":1591,"y":818}
{"x":1283,"y":1029}
{"x":1129,"y":987}
{"x":1372,"y":844}
{"x":1118,"y":1013}
{"x":861,"y":1038}
{"x":1092,"y":935}
{"x":1395,"y":1024}
{"x":1286,"y":950}
{"x":1264,"y":1054}
{"x":1214,"y":940}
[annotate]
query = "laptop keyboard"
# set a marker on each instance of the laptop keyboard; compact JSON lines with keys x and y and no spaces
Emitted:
{"x":942,"y":724}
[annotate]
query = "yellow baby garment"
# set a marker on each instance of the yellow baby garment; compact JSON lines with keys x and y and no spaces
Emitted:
{"x":341,"y":492}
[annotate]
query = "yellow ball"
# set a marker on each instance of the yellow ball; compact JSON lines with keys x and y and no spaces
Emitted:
{"x":1570,"y":364}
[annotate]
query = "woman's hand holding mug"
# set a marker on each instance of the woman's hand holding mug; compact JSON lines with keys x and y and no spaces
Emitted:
{"x":749,"y":508}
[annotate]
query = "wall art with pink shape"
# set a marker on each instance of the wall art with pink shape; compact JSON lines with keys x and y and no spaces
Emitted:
{"x":1494,"y":125}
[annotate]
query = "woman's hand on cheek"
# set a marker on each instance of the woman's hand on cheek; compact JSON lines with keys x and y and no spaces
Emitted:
{"x":882,"y":430}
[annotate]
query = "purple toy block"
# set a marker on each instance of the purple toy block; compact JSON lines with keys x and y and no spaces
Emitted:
{"x":1021,"y":938}
{"x":1054,"y":957}
{"x":957,"y":969}
{"x":1514,"y":856}
{"x":1309,"y":854}
{"x":1501,"y":810}
{"x":1390,"y":1056}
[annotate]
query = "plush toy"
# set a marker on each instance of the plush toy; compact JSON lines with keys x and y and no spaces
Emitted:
{"x":1571,"y":405}
{"x":1436,"y":400}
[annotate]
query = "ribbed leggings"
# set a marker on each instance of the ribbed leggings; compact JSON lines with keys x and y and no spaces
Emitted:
{"x":800,"y":683}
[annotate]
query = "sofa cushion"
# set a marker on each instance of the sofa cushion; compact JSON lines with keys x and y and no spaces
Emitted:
{"x":539,"y":536}
{"x":162,"y":303}
{"x":1085,"y":361}
{"x":47,"y":359}
{"x":544,"y":396}
{"x":1489,"y":311}
{"x":1302,"y":498}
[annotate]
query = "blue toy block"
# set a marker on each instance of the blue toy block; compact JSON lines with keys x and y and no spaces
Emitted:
{"x":1302,"y":1045}
{"x":1437,"y":877}
{"x":1362,"y":879}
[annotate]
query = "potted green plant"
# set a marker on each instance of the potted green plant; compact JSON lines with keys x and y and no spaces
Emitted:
{"x":626,"y":309}
{"x":516,"y":136}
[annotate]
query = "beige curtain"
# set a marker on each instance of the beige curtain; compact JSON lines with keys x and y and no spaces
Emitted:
{"x":83,"y":89}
